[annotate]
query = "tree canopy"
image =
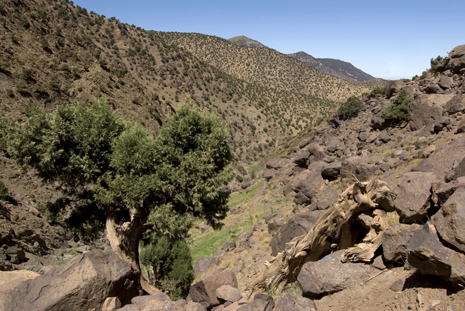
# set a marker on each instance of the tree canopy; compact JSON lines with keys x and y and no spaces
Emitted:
{"x":108,"y":168}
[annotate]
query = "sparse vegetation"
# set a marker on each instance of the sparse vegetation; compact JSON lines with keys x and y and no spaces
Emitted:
{"x":399,"y":109}
{"x":350,"y":108}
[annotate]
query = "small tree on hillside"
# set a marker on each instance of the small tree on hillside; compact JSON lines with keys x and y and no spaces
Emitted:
{"x":350,"y":108}
{"x":118,"y":175}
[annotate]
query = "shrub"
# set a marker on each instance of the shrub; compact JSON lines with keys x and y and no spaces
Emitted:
{"x":239,"y":178}
{"x":377,"y":90}
{"x":350,"y":108}
{"x":171,"y":263}
{"x":399,"y":109}
{"x":4,"y":195}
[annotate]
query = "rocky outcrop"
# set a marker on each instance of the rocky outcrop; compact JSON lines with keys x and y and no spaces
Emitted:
{"x":204,"y":291}
{"x":82,"y":283}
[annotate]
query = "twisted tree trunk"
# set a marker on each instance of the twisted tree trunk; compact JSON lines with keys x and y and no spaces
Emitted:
{"x":326,"y":234}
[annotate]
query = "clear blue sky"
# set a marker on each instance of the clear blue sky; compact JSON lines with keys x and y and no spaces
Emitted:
{"x":387,"y":39}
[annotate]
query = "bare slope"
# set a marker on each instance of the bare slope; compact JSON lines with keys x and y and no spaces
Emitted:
{"x":264,"y":67}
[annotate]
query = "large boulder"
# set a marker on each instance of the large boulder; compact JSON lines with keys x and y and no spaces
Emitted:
{"x":274,"y":166}
{"x":291,"y":301}
{"x":393,"y":87}
{"x":455,"y":105}
{"x":456,"y":59}
{"x":395,"y":240}
{"x":204,"y":291}
{"x":9,"y":280}
{"x":362,"y":168}
{"x":427,"y":110}
{"x":446,"y":190}
{"x":330,"y":275}
{"x":82,"y":283}
{"x":450,"y":220}
{"x":427,"y":254}
{"x":443,"y":160}
{"x":298,"y":225}
{"x":413,"y":195}
{"x":148,"y":303}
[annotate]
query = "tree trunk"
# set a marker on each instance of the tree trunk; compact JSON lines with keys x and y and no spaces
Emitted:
{"x":327,"y":234}
{"x":124,"y":237}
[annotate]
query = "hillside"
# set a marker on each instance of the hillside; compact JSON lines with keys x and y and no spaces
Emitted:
{"x":334,"y":67}
{"x":245,"y":41}
{"x":54,"y":53}
{"x":264,"y":67}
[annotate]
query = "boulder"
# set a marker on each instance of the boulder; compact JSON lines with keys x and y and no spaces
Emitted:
{"x":9,"y":280}
{"x":456,"y":59}
{"x":274,"y":166}
{"x":434,"y":89}
{"x":228,"y":293}
{"x":443,"y":160}
{"x":111,"y":304}
{"x":395,"y":240}
{"x":450,"y":220}
{"x":455,"y":105}
{"x":363,"y":136}
{"x":329,"y":275}
{"x":317,"y":153}
{"x":203,"y":291}
{"x":393,"y":87}
{"x":202,"y":265}
{"x":446,"y":190}
{"x":150,"y":302}
{"x":427,"y":110}
{"x":331,"y":171}
{"x":297,"y":225}
{"x":291,"y":301}
{"x":261,"y":302}
{"x":413,"y":195}
{"x":301,"y":158}
{"x":445,"y":82}
{"x":362,"y":168}
{"x":429,"y":256}
{"x":82,"y":283}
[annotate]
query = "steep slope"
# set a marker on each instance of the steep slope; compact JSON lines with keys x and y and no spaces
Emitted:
{"x":334,"y":67}
{"x":245,"y":41}
{"x":264,"y":67}
{"x":53,"y":53}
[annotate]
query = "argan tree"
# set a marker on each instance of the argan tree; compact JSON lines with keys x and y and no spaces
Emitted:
{"x":117,"y":175}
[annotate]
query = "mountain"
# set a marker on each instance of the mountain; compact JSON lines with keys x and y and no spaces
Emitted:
{"x":334,"y":67}
{"x":245,"y":41}
{"x":264,"y":67}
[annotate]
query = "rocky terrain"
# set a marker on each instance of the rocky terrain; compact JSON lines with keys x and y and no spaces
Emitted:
{"x":367,"y":213}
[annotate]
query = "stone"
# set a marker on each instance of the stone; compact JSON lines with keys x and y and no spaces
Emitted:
{"x":202,"y":265}
{"x":194,"y":306}
{"x":228,"y":293}
{"x":291,"y":301}
{"x":274,"y":227}
{"x":301,"y":158}
{"x":362,"y":168}
{"x":9,"y":280}
{"x":413,"y":195}
{"x":329,"y":275}
{"x":450,"y":220}
{"x":82,"y":283}
{"x":428,"y":151}
{"x":393,"y":87}
{"x":446,"y":190}
{"x":433,"y":89}
{"x":398,"y":285}
{"x":426,"y":110}
{"x":384,"y":137}
{"x":445,"y":82}
{"x":455,"y":104}
{"x":261,"y":302}
{"x":150,"y":302}
{"x":297,"y":225}
{"x":363,"y":136}
{"x":429,"y":256}
{"x":203,"y":291}
{"x":228,"y":246}
{"x":331,"y":171}
{"x":83,"y":249}
{"x":378,"y":263}
{"x":395,"y":240}
{"x":111,"y":304}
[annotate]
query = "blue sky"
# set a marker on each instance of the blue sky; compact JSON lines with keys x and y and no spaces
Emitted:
{"x":387,"y":39}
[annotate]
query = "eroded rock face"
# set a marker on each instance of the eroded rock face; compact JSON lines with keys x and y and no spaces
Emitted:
{"x":329,"y":275}
{"x":450,"y":220}
{"x":82,"y":283}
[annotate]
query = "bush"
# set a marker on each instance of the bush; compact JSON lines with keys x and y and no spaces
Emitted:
{"x":350,"y":108}
{"x":239,"y":178}
{"x":399,"y":109}
{"x":377,"y":90}
{"x":171,"y":263}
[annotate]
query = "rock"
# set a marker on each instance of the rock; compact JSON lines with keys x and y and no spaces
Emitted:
{"x":261,"y":302}
{"x":273,"y":166}
{"x":297,"y":225}
{"x":150,"y":302}
{"x":9,"y":280}
{"x":445,"y":82}
{"x":228,"y":293}
{"x":363,"y":136}
{"x":427,"y":110}
{"x":433,"y":89}
{"x":450,"y":220}
{"x":362,"y":168}
{"x":15,"y":255}
{"x":398,"y":285}
{"x":384,"y":137}
{"x":194,"y":306}
{"x":178,"y":305}
{"x":393,"y":87}
{"x":384,"y":167}
{"x":274,"y":227}
{"x":428,"y":151}
{"x":329,"y":275}
{"x":291,"y":301}
{"x":456,"y":59}
{"x":378,"y":263}
{"x":395,"y":240}
{"x":301,"y":158}
{"x":228,"y":246}
{"x":413,"y":195}
{"x":446,"y":190}
{"x":82,"y":283}
{"x":111,"y":304}
{"x":331,"y":171}
{"x":83,"y":249}
{"x":455,"y":105}
{"x":202,"y":265}
{"x":203,"y":291}
{"x":443,"y":160}
{"x":427,"y":254}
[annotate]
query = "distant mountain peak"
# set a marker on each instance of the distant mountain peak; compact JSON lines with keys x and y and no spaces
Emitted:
{"x":246,"y":41}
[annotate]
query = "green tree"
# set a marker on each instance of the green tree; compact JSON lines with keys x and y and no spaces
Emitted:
{"x":350,"y":108}
{"x":118,"y":175}
{"x":399,"y":109}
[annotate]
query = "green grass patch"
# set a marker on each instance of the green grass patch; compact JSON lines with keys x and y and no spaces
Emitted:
{"x":240,"y":197}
